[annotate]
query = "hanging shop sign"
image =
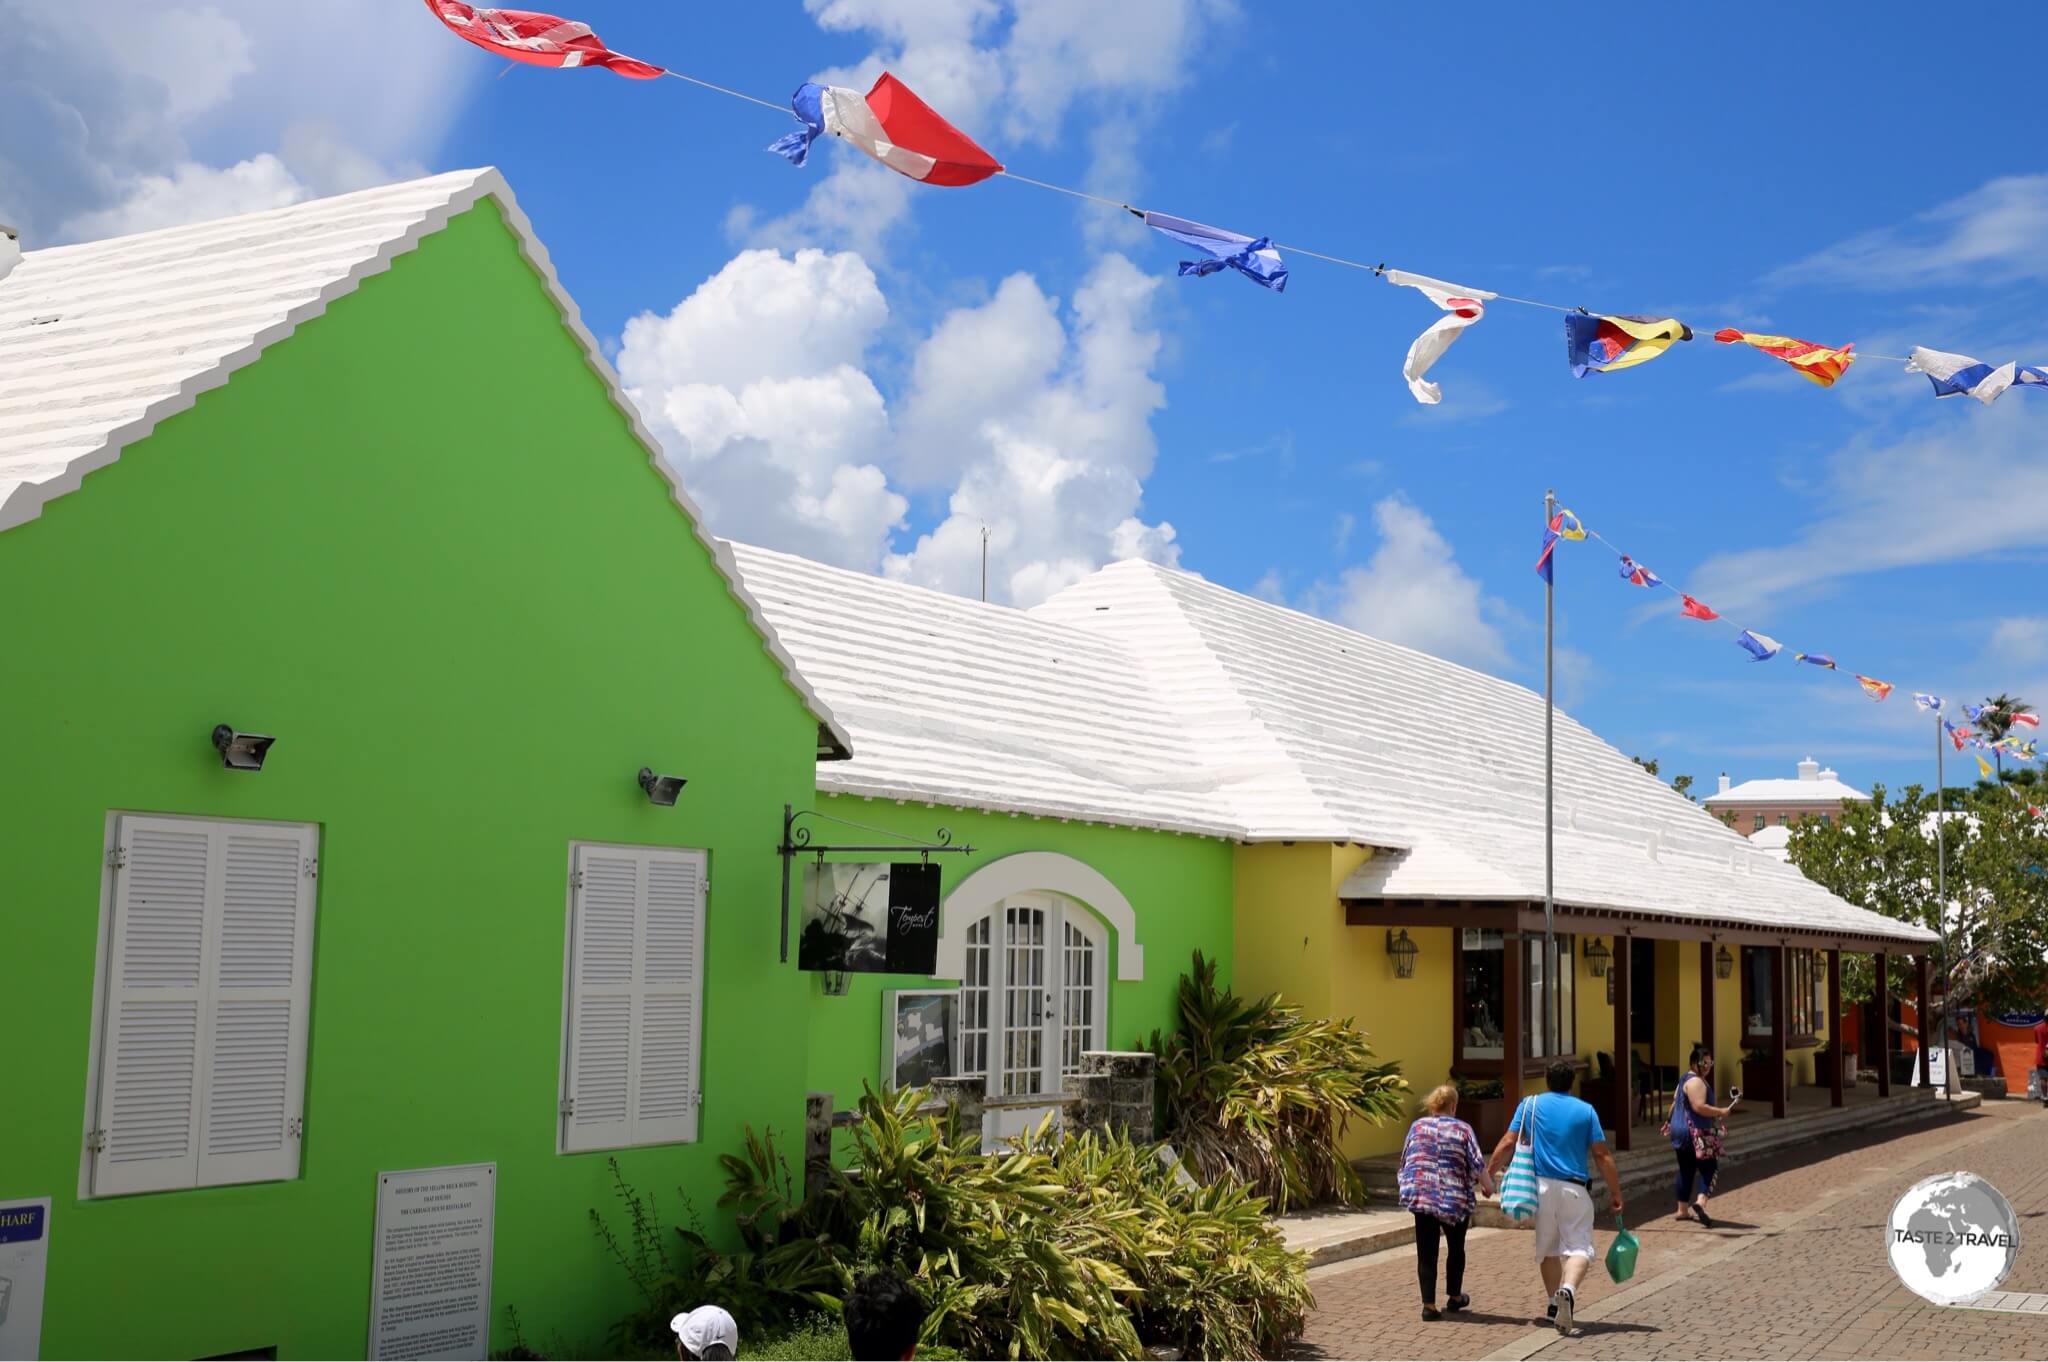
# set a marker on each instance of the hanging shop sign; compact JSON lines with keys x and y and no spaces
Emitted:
{"x":870,"y":917}
{"x":864,"y":917}
{"x":430,"y":1270}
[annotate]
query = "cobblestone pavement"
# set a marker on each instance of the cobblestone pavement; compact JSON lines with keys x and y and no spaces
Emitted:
{"x":1796,"y":1269}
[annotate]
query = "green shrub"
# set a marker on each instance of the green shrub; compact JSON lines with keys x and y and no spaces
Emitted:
{"x":1256,"y":1092}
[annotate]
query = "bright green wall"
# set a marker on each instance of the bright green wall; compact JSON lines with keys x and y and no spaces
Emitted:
{"x":1178,"y":887}
{"x":416,"y":543}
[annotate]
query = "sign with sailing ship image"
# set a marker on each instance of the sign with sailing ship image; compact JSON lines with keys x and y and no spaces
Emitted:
{"x":870,"y":917}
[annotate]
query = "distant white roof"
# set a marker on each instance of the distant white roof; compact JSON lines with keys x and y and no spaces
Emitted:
{"x":1152,"y":696}
{"x":101,"y":341}
{"x":1813,"y":785}
{"x":1776,"y":839}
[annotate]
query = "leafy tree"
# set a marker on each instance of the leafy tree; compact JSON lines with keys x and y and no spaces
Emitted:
{"x":1881,"y":855}
{"x":1995,"y":720}
{"x":1682,"y":784}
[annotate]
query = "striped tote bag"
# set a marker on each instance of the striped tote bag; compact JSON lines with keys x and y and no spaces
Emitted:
{"x":1518,"y":1184}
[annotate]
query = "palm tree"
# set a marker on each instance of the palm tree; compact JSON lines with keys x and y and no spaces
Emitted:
{"x":1996,"y":720}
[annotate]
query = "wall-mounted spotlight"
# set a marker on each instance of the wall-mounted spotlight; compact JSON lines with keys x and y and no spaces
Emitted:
{"x":240,"y":751}
{"x":661,"y":789}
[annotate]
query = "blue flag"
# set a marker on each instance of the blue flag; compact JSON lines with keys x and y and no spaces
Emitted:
{"x":808,"y":104}
{"x":1255,"y":259}
{"x":1762,"y":647}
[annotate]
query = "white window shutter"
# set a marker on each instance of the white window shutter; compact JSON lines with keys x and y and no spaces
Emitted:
{"x":147,"y":1116}
{"x":597,"y":1068}
{"x":256,"y":1051}
{"x":671,"y":1002}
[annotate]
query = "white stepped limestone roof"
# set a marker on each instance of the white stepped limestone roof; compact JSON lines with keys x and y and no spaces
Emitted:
{"x":1147,"y":695}
{"x":101,"y":341}
{"x":955,"y":702}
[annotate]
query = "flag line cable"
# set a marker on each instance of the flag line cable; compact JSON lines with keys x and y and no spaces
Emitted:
{"x":1675,"y":590}
{"x":1278,"y":245}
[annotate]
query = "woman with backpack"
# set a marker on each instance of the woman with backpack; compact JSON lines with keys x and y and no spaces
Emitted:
{"x":1695,"y":1129}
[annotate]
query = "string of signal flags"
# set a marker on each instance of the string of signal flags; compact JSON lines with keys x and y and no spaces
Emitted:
{"x":1566,"y":527}
{"x":893,"y":126}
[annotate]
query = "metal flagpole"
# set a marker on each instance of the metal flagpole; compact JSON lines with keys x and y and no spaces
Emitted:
{"x":1549,"y":783}
{"x":1940,"y":905}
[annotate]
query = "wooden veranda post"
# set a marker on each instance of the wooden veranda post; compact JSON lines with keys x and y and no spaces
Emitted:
{"x":1624,"y":1052}
{"x":1920,"y":1002}
{"x":1778,"y":1083}
{"x":1884,"y":1025}
{"x":1511,"y":1019}
{"x":1707,"y":1002}
{"x":1835,"y":1028}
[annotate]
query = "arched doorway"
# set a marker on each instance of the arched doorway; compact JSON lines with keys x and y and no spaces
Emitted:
{"x":1031,"y":938}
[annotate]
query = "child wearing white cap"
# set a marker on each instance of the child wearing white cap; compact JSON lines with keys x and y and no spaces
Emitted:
{"x":708,"y":1333}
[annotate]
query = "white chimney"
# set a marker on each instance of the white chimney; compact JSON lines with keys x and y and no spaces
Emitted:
{"x":1809,"y":769}
{"x":1830,"y":773}
{"x":1724,"y":782}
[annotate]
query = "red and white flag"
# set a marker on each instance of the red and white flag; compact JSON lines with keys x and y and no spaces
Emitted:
{"x":536,"y":39}
{"x":2030,"y":720}
{"x":1465,"y":306}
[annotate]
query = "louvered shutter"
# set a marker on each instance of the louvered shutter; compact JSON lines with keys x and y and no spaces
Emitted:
{"x":147,"y":1118}
{"x":671,"y":998}
{"x":256,"y":1051}
{"x":636,"y":998}
{"x":597,"y":1068}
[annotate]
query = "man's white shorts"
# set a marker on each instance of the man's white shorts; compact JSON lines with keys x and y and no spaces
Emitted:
{"x":1564,"y":1220}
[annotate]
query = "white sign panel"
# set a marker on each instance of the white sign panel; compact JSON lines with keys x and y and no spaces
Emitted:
{"x":24,"y":1252}
{"x":430,"y":1279}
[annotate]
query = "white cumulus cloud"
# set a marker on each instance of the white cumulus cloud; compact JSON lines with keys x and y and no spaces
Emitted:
{"x":1412,"y":591}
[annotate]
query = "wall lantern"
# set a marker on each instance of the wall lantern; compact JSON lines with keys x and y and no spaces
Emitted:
{"x":661,"y":790}
{"x":1402,"y":951}
{"x":240,"y":751}
{"x":1724,"y":964}
{"x":1597,"y":957}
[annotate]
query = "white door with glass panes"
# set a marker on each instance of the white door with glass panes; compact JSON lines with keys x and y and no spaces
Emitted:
{"x":1033,"y":996}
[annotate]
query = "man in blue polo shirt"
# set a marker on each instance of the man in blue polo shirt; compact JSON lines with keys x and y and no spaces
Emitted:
{"x":1562,"y":1131}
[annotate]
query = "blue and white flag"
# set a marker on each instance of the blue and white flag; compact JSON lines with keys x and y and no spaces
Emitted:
{"x":1762,"y":647}
{"x":808,"y":103}
{"x":1254,"y":258}
{"x":1953,"y":375}
{"x":1931,"y":703}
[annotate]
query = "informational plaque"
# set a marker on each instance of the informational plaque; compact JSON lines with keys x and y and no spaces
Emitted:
{"x":24,"y":1252}
{"x":430,"y":1277}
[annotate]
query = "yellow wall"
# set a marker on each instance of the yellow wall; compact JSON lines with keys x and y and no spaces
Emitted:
{"x":1291,"y":938}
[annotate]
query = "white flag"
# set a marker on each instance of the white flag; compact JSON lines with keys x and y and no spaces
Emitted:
{"x":1464,"y":306}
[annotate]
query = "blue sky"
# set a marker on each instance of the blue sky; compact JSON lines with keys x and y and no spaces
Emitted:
{"x":1000,"y":354}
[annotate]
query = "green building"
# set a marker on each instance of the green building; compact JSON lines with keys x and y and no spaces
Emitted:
{"x":352,"y":475}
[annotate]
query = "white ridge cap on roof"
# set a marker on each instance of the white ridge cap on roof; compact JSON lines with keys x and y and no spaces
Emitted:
{"x":1366,"y":726}
{"x":101,"y":341}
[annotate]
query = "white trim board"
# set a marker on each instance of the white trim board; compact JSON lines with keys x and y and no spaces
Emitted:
{"x":1021,"y":873}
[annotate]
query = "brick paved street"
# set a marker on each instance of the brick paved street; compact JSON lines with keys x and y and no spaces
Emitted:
{"x":1798,"y":1270}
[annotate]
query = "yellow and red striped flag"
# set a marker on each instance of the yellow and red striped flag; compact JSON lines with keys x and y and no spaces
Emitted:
{"x":1818,"y":362}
